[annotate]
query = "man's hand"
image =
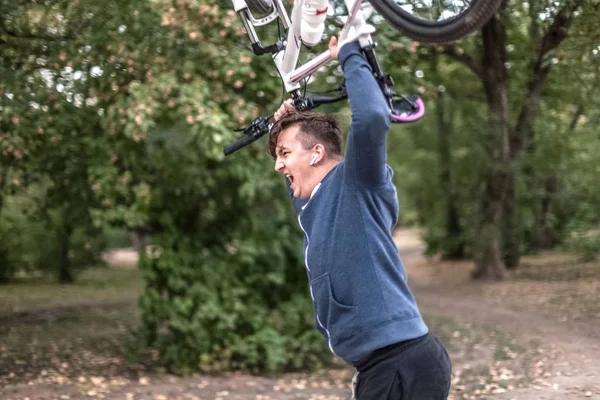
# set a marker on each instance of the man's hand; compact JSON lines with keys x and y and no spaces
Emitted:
{"x":333,"y":47}
{"x":287,"y":105}
{"x":335,"y":44}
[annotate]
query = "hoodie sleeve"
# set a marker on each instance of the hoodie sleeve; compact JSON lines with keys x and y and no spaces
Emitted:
{"x":366,"y":147}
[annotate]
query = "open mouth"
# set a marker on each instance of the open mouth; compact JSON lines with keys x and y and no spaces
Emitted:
{"x":291,"y":179}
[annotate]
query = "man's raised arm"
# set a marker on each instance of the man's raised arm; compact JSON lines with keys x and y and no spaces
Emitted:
{"x":366,"y":148}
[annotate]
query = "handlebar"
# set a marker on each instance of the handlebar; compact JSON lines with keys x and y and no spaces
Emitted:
{"x":242,"y":142}
{"x":303,"y":104}
{"x":260,"y":126}
{"x":257,"y":128}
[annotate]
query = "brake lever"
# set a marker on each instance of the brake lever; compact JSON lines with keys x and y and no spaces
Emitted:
{"x":257,"y":125}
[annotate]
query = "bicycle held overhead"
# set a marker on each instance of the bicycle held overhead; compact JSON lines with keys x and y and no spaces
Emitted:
{"x":427,"y":21}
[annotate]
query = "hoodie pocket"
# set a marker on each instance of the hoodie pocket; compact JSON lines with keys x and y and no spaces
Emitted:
{"x":339,"y":320}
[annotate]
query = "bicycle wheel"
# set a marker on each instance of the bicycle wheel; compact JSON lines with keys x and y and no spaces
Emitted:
{"x":436,"y":21}
{"x":260,"y":7}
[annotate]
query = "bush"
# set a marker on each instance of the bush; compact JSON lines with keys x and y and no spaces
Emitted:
{"x":586,"y":244}
{"x":227,"y":289}
{"x":218,"y":310}
{"x":583,"y":236}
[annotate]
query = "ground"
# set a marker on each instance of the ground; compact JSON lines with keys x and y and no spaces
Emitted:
{"x":551,"y":300}
{"x":534,"y":336}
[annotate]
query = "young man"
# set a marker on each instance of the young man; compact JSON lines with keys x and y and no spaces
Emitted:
{"x":347,"y":208}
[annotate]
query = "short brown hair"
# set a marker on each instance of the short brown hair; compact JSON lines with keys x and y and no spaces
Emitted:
{"x":314,"y":127}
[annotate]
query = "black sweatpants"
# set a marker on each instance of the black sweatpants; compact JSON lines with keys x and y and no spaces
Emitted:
{"x":417,"y":369}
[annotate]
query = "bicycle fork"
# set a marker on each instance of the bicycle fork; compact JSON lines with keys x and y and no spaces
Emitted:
{"x":385,"y":81}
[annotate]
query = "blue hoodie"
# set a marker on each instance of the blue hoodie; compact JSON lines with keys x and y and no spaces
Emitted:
{"x":357,"y":280}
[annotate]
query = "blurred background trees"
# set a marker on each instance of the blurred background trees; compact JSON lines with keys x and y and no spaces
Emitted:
{"x":113,"y":116}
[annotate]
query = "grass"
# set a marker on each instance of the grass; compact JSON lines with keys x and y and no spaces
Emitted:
{"x":78,"y":342}
{"x":92,"y":285}
{"x":56,"y":332}
{"x":556,"y":267}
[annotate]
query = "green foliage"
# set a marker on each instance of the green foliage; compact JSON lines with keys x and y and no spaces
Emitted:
{"x":227,"y":272}
{"x":227,"y":252}
{"x":553,"y":187}
{"x":30,"y":236}
{"x":227,"y":261}
{"x":134,"y":101}
{"x":50,"y":128}
{"x":584,"y":243}
{"x":113,"y":116}
{"x":218,"y":310}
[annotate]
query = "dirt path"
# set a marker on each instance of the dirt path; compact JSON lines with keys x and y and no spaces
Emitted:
{"x":575,"y":365}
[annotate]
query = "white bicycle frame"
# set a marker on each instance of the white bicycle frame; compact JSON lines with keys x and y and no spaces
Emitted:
{"x":286,"y":60}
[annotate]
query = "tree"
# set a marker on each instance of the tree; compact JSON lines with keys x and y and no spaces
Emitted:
{"x":52,"y":57}
{"x":225,"y":287}
{"x":504,"y":142}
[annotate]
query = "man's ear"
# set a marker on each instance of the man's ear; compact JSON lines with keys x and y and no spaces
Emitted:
{"x":320,"y":152}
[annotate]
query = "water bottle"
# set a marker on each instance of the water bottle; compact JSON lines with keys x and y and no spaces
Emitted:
{"x":313,"y":21}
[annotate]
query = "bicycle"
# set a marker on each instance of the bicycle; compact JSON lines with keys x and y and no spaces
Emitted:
{"x":404,"y":15}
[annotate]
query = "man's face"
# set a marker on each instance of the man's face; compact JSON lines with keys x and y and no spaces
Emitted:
{"x":294,"y":162}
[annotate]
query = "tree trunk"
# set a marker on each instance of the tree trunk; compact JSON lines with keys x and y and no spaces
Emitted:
{"x":489,"y":262}
{"x":501,"y":146}
{"x":65,"y":273}
{"x":6,"y":269}
{"x":139,"y":241}
{"x":454,"y":235}
{"x":544,"y":235}
{"x":522,"y":136}
{"x":511,"y":254}
{"x":3,"y":179}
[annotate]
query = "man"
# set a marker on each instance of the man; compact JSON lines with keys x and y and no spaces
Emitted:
{"x":347,"y":208}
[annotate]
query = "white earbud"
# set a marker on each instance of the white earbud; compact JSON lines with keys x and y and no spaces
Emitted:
{"x":314,"y":159}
